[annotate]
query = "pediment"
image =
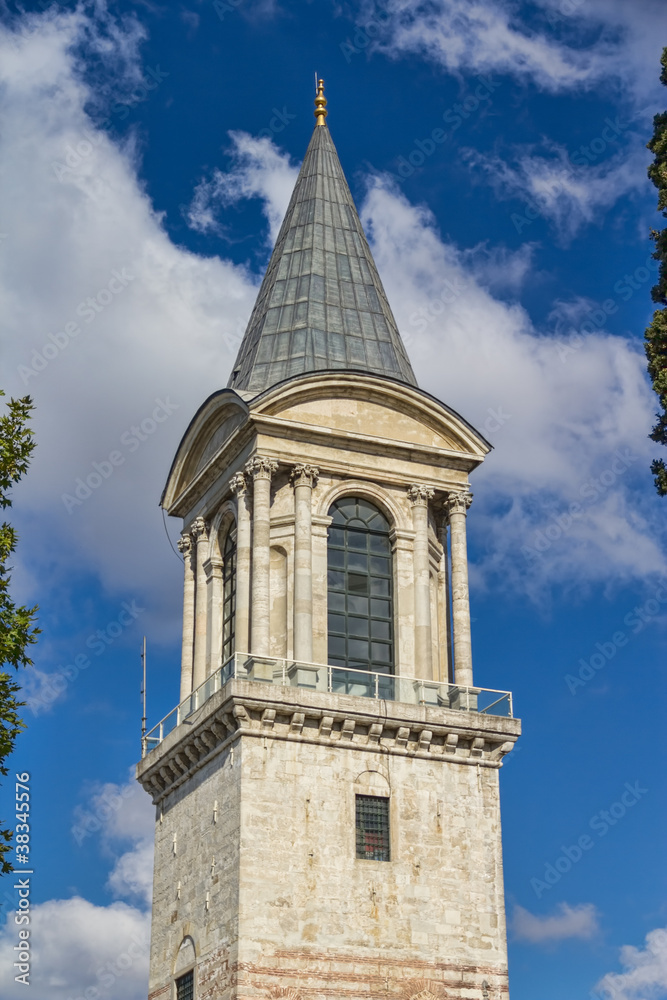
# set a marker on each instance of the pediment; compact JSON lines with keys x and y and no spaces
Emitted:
{"x":371,"y":407}
{"x":214,"y":424}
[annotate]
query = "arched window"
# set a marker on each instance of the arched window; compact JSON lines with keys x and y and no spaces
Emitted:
{"x":229,"y":594}
{"x":360,"y":601}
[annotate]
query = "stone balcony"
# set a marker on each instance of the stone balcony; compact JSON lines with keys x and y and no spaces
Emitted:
{"x":283,"y":699}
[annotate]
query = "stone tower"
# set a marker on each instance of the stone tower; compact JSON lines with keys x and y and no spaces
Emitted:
{"x":326,"y":791}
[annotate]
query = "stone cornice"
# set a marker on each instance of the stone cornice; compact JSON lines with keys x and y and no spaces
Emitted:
{"x":252,"y":710}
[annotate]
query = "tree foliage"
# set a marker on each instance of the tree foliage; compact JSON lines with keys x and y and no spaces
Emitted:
{"x":17,"y":629}
{"x":656,"y":333}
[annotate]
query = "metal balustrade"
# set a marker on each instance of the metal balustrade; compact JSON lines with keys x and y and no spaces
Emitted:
{"x":334,"y":680}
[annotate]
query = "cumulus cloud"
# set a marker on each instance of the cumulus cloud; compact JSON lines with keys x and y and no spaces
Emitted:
{"x":645,"y":975}
{"x":78,"y":947}
{"x":574,"y":46}
{"x":570,"y":195}
{"x":568,"y":922}
{"x":568,"y":416}
{"x":258,"y":170}
{"x":118,"y":334}
{"x":121,"y":816}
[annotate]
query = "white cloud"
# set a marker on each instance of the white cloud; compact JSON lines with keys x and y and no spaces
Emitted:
{"x":557,"y":408}
{"x":645,"y":975}
{"x":258,"y":170}
{"x":569,"y":195}
{"x":488,"y":36}
{"x":76,"y":946}
{"x":160,"y":335}
{"x":568,"y":922}
{"x":118,"y":815}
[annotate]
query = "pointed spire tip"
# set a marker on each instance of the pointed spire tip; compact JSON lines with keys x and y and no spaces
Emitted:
{"x":320,"y":105}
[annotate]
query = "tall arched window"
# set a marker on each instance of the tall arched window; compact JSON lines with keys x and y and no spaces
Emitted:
{"x":229,"y":594}
{"x":360,"y":600}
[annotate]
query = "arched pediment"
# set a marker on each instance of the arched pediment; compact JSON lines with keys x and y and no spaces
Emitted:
{"x":211,"y":428}
{"x":374,"y":407}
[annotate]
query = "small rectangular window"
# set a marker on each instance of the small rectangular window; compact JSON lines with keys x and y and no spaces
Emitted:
{"x":372,"y":822}
{"x":185,"y":986}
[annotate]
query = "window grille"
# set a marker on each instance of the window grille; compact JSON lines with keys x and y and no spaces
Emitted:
{"x":185,"y":986}
{"x":229,"y":594}
{"x":360,"y":589}
{"x":372,"y":823}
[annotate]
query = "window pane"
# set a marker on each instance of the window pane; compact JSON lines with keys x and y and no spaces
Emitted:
{"x":380,"y":566}
{"x":337,"y":623}
{"x":380,"y":545}
{"x":357,"y":584}
{"x":357,"y":539}
{"x":355,"y":605}
{"x":336,"y":645}
{"x":380,"y":587}
{"x":336,"y":580}
{"x":337,"y":601}
{"x":358,"y":648}
{"x":356,"y":626}
{"x":336,"y":558}
{"x":381,"y":651}
{"x":356,"y":560}
{"x":380,"y":609}
{"x":336,"y":537}
{"x":380,"y":630}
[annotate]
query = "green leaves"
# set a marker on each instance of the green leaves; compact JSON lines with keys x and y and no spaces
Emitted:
{"x":655,"y":338}
{"x":17,"y":628}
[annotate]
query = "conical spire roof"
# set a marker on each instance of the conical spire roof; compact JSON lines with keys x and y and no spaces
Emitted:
{"x":321,"y":305}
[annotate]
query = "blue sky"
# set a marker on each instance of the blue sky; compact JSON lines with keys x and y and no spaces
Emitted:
{"x":496,"y":152}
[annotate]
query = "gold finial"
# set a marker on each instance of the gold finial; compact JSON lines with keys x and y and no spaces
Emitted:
{"x":320,"y":105}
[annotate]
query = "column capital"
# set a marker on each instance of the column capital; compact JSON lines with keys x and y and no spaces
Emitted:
{"x":419,"y":496}
{"x":260,"y":467}
{"x":199,"y":530}
{"x":457,"y":503}
{"x":184,"y":544}
{"x":304,"y":475}
{"x":238,"y":483}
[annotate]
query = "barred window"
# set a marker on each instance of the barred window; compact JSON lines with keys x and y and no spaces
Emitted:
{"x":229,"y":594}
{"x":185,"y":986}
{"x":372,"y":824}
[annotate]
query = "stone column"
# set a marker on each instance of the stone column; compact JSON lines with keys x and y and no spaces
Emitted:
{"x":419,"y":497}
{"x":304,"y":478}
{"x":243,"y":542}
{"x":213,"y":571}
{"x":200,"y":536}
{"x":261,"y":469}
{"x":456,"y":506}
{"x":185,"y":547}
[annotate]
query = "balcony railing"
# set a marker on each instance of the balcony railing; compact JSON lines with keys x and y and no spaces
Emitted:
{"x":335,"y":680}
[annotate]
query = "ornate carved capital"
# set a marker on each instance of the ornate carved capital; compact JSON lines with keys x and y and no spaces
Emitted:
{"x":238,"y":483}
{"x":419,"y":496}
{"x":304,"y":475}
{"x":184,"y":544}
{"x":457,"y":503}
{"x":199,"y":530}
{"x":260,"y":467}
